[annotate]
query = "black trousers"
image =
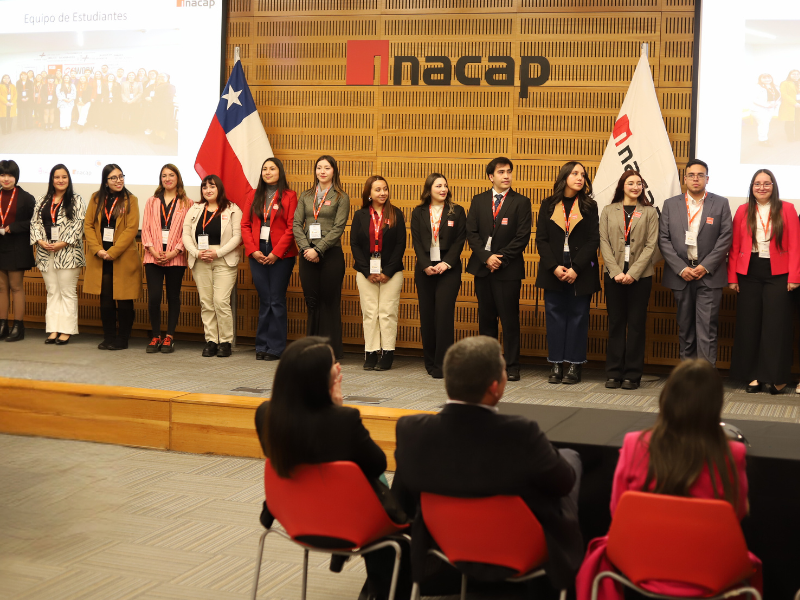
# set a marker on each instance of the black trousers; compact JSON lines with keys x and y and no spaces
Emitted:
{"x":322,"y":288}
{"x":156,"y":276}
{"x":498,"y":298}
{"x":627,"y":320}
{"x":762,"y":344}
{"x":114,"y":311}
{"x":437,"y":310}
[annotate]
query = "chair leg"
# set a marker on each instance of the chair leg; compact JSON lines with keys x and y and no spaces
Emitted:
{"x":463,"y":587}
{"x":396,"y":571}
{"x":562,"y":595}
{"x":305,"y":575}
{"x":415,"y":595}
{"x":258,"y":561}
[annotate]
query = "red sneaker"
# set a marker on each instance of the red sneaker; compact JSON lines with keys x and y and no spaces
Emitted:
{"x":154,"y":345}
{"x":168,"y":345}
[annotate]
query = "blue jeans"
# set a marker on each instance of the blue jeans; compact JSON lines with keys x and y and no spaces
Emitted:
{"x":567,"y":321}
{"x":271,"y":282}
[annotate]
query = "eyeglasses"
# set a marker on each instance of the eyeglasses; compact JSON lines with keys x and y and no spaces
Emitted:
{"x":696,"y":176}
{"x":759,"y":186}
{"x":116,"y":178}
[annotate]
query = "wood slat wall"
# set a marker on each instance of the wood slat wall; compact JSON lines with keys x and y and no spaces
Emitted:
{"x":294,"y":56}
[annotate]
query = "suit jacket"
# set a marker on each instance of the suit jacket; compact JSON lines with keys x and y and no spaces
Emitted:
{"x":332,"y":219}
{"x":71,"y":232}
{"x":469,"y":451}
{"x":394,"y":243}
{"x":151,"y":230}
{"x":230,"y":235}
{"x":510,"y":233}
{"x":781,"y":260}
{"x":643,"y":240}
{"x":452,"y":234}
{"x":584,"y":240}
{"x":15,"y":246}
{"x":713,"y":240}
{"x":280,"y":226}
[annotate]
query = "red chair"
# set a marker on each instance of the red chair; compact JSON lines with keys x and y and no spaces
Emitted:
{"x":331,"y":508}
{"x":498,"y":531}
{"x":687,"y":540}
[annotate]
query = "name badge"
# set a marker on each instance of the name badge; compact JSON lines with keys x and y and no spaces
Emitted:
{"x":627,"y":254}
{"x":202,"y":242}
{"x":54,"y":231}
{"x":691,"y":238}
{"x":375,"y":265}
{"x":164,"y":236}
{"x":709,"y":220}
{"x":108,"y":234}
{"x":8,"y":97}
{"x":436,"y":254}
{"x":50,"y":98}
{"x":110,"y":94}
{"x":504,"y":222}
{"x":451,"y":223}
{"x":264,"y":232}
{"x":131,"y":95}
{"x":488,"y":246}
{"x":763,"y":249}
{"x":315,"y":231}
{"x":566,"y":244}
{"x":24,"y":94}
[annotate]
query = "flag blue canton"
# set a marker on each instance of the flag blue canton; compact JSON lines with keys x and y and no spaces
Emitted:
{"x":229,"y":118}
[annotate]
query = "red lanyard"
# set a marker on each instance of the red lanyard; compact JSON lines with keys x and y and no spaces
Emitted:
{"x":321,"y":202}
{"x":168,"y":218}
{"x":766,"y":227}
{"x":268,"y":206}
{"x":566,"y":220}
{"x":436,"y":224}
{"x":499,"y":205}
{"x":376,"y":228}
{"x":699,"y":210}
{"x":8,"y":209}
{"x":214,"y":214}
{"x":54,"y":210}
{"x":628,"y":230}
{"x":108,"y":214}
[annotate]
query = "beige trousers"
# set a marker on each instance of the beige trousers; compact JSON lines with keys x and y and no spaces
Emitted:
{"x":61,"y":314}
{"x":379,"y":306}
{"x":214,"y":283}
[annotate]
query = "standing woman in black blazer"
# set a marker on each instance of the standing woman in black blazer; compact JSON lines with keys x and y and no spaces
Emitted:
{"x":319,"y":222}
{"x":438,"y":232}
{"x":16,"y":257}
{"x":567,"y":239}
{"x":378,"y":242}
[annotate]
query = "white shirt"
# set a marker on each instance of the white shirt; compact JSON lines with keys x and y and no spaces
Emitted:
{"x":694,"y":208}
{"x":487,"y":407}
{"x":761,"y":235}
{"x":436,"y":215}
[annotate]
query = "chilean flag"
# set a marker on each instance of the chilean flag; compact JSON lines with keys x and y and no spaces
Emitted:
{"x":236,"y":144}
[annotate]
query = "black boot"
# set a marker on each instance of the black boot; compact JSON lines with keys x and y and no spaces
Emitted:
{"x":126,"y":316}
{"x":108,"y":316}
{"x":385,"y":363}
{"x":556,"y":373}
{"x":370,"y":360}
{"x":224,"y":349}
{"x":573,"y":374}
{"x":210,"y":349}
{"x":3,"y":328}
{"x":17,"y":332}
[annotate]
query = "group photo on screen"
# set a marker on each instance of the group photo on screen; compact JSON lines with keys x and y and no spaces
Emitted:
{"x":771,"y":117}
{"x":57,"y":98}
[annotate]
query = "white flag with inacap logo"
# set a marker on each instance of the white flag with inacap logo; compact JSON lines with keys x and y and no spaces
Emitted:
{"x":640,"y":142}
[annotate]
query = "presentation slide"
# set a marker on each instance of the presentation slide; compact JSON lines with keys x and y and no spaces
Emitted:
{"x":87,"y":82}
{"x":748,"y":96}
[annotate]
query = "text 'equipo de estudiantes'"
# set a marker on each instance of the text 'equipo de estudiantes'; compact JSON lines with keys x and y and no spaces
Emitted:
{"x":76,"y":17}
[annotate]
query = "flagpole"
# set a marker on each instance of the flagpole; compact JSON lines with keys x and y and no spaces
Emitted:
{"x":236,"y":55}
{"x":235,"y":291}
{"x":645,"y":49}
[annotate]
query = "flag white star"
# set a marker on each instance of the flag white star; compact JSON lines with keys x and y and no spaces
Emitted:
{"x":232,"y":97}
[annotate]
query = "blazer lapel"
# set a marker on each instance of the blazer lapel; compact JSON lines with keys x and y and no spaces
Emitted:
{"x":706,"y":210}
{"x":634,"y":219}
{"x":509,"y":199}
{"x":684,"y":218}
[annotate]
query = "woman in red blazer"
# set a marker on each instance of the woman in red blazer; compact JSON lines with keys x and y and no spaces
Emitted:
{"x":763,"y":267}
{"x":269,"y":242}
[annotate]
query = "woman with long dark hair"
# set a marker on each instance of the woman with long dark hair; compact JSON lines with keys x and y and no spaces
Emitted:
{"x":378,"y":242}
{"x":113,"y":265}
{"x":763,"y":267}
{"x":269,"y":242}
{"x":319,"y":222}
{"x":57,"y":233}
{"x":212,"y":234}
{"x":686,"y":453}
{"x":789,"y":110}
{"x":567,"y":239}
{"x":628,"y":242}
{"x":438,"y":233}
{"x":164,"y":254}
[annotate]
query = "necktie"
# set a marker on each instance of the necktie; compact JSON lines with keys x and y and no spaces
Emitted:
{"x":497,"y":198}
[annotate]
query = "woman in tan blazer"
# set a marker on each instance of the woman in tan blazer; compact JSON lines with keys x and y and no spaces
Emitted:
{"x":628,"y":241}
{"x":212,"y":235}
{"x":113,"y":266}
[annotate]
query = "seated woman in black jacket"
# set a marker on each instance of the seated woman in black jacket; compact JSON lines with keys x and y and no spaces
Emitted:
{"x":305,"y":423}
{"x":378,"y":242}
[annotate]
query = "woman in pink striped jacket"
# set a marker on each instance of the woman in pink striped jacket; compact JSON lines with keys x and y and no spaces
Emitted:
{"x":164,"y":256}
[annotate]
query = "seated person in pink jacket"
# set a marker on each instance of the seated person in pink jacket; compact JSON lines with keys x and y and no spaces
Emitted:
{"x":687,"y":430}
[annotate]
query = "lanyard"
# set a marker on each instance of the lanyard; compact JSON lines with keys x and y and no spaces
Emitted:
{"x":8,"y":209}
{"x":54,"y":210}
{"x":630,"y":224}
{"x":268,"y":206}
{"x":321,"y":202}
{"x":168,"y":215}
{"x":699,"y":210}
{"x":435,"y":224}
{"x":376,"y":227}
{"x":566,"y":220}
{"x":766,"y":227}
{"x":108,"y":214}
{"x":499,"y":204}
{"x":206,"y":222}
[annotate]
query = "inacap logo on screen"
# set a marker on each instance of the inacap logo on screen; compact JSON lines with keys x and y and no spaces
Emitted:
{"x":195,"y":3}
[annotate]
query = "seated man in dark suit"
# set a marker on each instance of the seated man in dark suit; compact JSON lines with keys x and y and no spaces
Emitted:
{"x":469,"y":450}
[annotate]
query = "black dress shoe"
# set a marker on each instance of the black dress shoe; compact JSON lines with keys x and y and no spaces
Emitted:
{"x":224,"y":350}
{"x":753,"y":389}
{"x":613,"y":384}
{"x":17,"y":332}
{"x":573,"y":374}
{"x":513,"y":374}
{"x":104,"y":345}
{"x":556,"y":373}
{"x":60,"y":342}
{"x":437,"y":373}
{"x":210,"y":349}
{"x":385,"y":361}
{"x":3,"y":328}
{"x":775,"y":391}
{"x":268,"y":356}
{"x":630,"y":384}
{"x":118,"y":344}
{"x":51,"y":340}
{"x":260,"y":355}
{"x":370,"y":360}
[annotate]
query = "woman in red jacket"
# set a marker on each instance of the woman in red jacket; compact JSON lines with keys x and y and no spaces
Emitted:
{"x":269,"y":242}
{"x":763,"y":267}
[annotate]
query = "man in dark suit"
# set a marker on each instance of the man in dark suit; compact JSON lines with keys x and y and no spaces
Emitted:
{"x":695,"y":234}
{"x":498,"y":231}
{"x":469,"y":450}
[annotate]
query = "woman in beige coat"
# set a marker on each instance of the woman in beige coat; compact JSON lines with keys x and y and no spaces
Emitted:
{"x":113,"y":266}
{"x":628,"y":241}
